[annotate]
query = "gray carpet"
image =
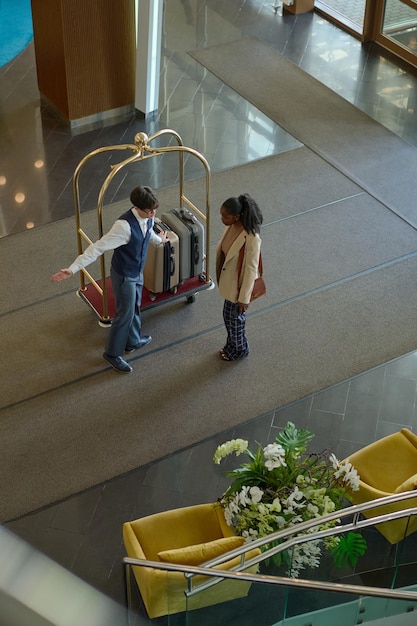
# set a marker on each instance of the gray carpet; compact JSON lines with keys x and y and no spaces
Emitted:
{"x":341,"y":273}
{"x":364,"y":150}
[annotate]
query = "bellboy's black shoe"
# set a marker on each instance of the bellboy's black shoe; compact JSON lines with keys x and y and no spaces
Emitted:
{"x":143,"y":342}
{"x":118,"y":364}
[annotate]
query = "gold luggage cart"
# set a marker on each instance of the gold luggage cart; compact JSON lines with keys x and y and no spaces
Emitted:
{"x":97,"y":292}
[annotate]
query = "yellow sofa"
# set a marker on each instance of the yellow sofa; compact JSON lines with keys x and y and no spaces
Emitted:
{"x":188,"y":536}
{"x":388,"y":466}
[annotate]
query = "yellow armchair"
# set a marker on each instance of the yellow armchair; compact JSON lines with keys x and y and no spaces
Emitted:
{"x":388,"y":466}
{"x":187,"y":536}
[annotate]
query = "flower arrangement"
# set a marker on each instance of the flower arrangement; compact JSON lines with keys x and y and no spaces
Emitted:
{"x":281,"y":486}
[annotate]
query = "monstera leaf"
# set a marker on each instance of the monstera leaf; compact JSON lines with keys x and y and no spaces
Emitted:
{"x":349,"y":549}
{"x":294,"y":440}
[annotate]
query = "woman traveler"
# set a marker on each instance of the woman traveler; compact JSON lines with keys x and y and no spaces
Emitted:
{"x":237,"y":259}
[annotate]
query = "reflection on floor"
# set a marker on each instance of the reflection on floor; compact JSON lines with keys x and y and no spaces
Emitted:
{"x":37,"y":161}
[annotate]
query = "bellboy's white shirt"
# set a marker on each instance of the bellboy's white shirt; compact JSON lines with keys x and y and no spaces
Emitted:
{"x":118,"y":235}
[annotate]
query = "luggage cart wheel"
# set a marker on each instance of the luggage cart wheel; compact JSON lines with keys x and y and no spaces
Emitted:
{"x":152,"y":296}
{"x":105,"y":322}
{"x":174,"y":290}
{"x":191,"y":299}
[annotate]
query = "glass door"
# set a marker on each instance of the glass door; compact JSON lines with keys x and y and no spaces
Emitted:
{"x":397,"y":28}
{"x":390,"y":23}
{"x":349,"y":15}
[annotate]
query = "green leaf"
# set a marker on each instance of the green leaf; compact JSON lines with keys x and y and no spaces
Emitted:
{"x":293,"y":440}
{"x":244,"y":476}
{"x":281,"y":558}
{"x":349,"y":549}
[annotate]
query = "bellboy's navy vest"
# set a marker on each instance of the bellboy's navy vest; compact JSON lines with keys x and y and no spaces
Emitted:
{"x":129,"y":259}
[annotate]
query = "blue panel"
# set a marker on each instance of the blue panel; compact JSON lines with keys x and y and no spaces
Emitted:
{"x":16,"y":30}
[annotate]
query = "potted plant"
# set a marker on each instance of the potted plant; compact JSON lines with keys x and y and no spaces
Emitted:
{"x":281,"y":485}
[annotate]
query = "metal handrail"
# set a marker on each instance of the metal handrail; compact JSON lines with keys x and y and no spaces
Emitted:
{"x":361,"y":590}
{"x":290,"y":537}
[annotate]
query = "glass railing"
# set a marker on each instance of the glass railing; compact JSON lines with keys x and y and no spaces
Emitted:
{"x":269,"y":604}
{"x":382,"y":584}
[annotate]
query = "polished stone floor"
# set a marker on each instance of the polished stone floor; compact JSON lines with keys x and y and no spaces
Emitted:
{"x":37,"y":159}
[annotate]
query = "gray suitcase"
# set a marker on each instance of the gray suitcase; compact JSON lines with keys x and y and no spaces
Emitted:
{"x":191,"y":234}
{"x":161,"y":271}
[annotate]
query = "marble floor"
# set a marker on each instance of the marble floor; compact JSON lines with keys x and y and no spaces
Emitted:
{"x":37,"y":159}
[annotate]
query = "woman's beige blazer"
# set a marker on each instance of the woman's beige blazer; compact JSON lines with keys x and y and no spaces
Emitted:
{"x":227,"y":270}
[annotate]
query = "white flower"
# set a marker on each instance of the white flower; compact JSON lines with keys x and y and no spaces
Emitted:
{"x":243,"y":496}
{"x":334,"y":461}
{"x":304,"y":555}
{"x":250,"y":535}
{"x":234,"y":445}
{"x":231,"y":509}
{"x":228,"y":516}
{"x":313,"y":509}
{"x":328,"y":505}
{"x":351,"y":476}
{"x":280,"y":521}
{"x":303,"y":480}
{"x":233,"y":506}
{"x":256,"y":494}
{"x":263,"y":508}
{"x":295,"y":495}
{"x":294,"y":501}
{"x":274,"y":455}
{"x":346,"y":472}
{"x":276,"y":505}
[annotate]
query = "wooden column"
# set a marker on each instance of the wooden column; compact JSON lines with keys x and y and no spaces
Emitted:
{"x":85,"y":57}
